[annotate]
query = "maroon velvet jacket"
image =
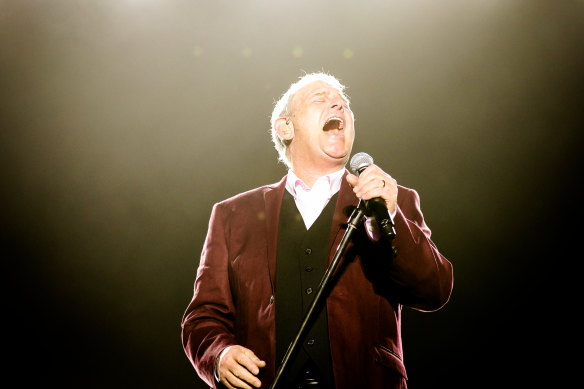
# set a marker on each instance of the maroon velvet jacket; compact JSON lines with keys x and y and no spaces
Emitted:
{"x":237,"y":273}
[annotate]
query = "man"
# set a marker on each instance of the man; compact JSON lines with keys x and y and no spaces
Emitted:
{"x":267,"y":249}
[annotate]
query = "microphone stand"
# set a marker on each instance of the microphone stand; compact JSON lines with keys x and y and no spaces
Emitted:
{"x":352,"y":225}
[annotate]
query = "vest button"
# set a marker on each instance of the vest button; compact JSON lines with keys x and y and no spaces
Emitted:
{"x":310,"y":342}
{"x":308,"y":268}
{"x":308,"y":290}
{"x":308,"y":251}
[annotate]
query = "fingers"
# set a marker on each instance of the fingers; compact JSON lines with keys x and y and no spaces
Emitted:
{"x":233,"y":381}
{"x":375,"y":188}
{"x":374,"y":182}
{"x":238,"y":377}
{"x":250,"y":361}
{"x":239,"y":367}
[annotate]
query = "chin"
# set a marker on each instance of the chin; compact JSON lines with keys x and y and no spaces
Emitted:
{"x":338,"y":153}
{"x":339,"y":159}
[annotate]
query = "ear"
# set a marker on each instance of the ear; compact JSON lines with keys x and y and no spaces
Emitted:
{"x":284,"y":130}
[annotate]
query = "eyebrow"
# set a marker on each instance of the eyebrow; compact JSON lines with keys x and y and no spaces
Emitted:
{"x":323,"y":92}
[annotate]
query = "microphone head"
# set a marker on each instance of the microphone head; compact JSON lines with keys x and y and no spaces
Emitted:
{"x":359,"y":162}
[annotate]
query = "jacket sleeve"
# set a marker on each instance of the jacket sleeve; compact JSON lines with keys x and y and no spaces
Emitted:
{"x":423,"y":276}
{"x":208,"y":322}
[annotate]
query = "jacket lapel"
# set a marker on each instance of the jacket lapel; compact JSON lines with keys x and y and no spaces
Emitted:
{"x":273,"y":202}
{"x":346,"y":200}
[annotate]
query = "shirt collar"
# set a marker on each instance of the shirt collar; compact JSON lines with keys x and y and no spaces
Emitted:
{"x":293,"y":183}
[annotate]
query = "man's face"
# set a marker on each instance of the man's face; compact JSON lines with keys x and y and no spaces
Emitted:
{"x":323,"y":127}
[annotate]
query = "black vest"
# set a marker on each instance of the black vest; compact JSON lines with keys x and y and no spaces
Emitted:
{"x":301,"y":262}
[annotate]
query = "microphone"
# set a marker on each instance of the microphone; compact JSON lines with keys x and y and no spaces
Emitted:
{"x":375,"y":206}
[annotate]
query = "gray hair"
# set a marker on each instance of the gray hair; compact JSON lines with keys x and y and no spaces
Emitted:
{"x":282,"y":108}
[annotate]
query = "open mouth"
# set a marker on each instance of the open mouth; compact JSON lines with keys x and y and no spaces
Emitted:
{"x":333,"y":123}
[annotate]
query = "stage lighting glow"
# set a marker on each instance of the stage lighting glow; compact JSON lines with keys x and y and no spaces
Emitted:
{"x":348,"y":53}
{"x":298,"y":52}
{"x":197,"y":51}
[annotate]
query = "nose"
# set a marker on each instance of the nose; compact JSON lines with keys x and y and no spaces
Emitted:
{"x":337,"y":103}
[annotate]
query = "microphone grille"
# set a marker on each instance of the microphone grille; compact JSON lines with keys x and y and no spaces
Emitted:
{"x":359,"y":162}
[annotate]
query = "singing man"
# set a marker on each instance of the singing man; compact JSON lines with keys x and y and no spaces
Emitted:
{"x":267,"y":249}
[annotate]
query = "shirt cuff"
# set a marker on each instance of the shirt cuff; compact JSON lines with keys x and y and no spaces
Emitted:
{"x":218,"y":364}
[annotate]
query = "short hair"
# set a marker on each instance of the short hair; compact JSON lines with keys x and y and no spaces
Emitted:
{"x":282,"y":108}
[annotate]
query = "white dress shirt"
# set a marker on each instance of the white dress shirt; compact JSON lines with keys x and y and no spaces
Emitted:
{"x":311,"y":201}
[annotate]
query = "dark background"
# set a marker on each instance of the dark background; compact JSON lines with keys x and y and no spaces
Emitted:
{"x":122,"y":122}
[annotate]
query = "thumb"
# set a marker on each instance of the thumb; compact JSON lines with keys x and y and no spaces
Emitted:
{"x":352,"y":179}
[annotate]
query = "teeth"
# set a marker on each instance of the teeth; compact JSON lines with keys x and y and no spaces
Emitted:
{"x":341,"y":124}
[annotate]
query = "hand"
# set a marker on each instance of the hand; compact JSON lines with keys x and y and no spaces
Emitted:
{"x":374,"y":182}
{"x":239,"y":367}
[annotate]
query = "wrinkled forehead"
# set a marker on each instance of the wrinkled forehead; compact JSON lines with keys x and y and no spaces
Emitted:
{"x":317,"y":88}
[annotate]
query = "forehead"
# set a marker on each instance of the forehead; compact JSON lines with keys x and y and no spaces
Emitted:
{"x":317,"y":88}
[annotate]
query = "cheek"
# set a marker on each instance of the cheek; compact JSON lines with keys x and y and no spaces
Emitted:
{"x":351,"y":134}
